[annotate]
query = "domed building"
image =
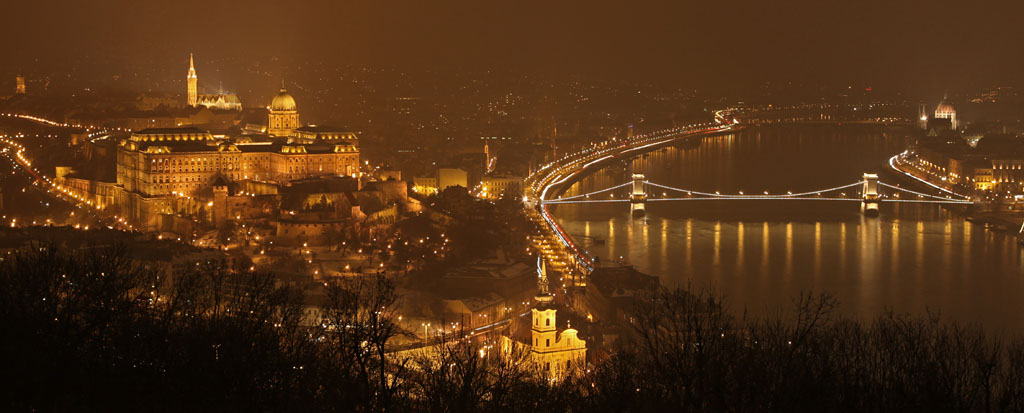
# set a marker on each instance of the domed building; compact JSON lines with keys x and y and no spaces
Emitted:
{"x":945,"y":110}
{"x":283,"y":119}
{"x":164,"y":172}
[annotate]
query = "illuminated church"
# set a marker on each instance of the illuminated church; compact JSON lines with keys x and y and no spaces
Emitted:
{"x":215,"y":101}
{"x":556,"y":354}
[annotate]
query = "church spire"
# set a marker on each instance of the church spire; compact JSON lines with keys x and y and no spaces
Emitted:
{"x":543,"y":295}
{"x":193,"y":83}
{"x":542,"y":281}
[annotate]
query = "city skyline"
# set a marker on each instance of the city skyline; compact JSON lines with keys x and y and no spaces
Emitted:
{"x":902,"y":44}
{"x":512,"y":206}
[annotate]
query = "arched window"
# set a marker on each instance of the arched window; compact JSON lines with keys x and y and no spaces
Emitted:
{"x":547,"y":322}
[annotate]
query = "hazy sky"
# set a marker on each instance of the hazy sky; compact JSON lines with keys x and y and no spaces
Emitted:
{"x":911,"y":43}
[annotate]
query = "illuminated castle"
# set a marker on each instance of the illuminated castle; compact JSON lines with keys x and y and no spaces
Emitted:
{"x":161,"y":162}
{"x":214,"y":101}
{"x":165,"y":172}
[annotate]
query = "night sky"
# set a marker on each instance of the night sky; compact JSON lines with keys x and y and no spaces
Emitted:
{"x":905,"y":44}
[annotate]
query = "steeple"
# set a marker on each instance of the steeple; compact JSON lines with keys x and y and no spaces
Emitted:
{"x":191,"y":67}
{"x":543,"y":329}
{"x":543,"y":295}
{"x":193,"y":83}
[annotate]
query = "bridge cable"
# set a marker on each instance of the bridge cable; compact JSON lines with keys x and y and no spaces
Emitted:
{"x":785,"y":196}
{"x":591,"y":193}
{"x":917,"y":193}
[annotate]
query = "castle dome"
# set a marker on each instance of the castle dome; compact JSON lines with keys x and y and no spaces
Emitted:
{"x":283,"y":101}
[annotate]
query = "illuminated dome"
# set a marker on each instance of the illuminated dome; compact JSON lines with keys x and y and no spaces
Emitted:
{"x":944,"y":110}
{"x":283,"y":101}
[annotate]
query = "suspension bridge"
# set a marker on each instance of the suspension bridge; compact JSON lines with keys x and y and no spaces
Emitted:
{"x":869,"y":191}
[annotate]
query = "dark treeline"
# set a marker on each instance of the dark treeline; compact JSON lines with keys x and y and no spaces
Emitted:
{"x":89,"y":331}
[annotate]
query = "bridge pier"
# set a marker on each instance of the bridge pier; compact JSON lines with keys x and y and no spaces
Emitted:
{"x":869,"y":206}
{"x":638,"y":196}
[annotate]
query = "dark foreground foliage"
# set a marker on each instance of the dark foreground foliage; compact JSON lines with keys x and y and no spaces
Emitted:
{"x":94,"y":332}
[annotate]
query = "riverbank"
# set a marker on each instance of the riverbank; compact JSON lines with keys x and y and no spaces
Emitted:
{"x":993,"y":216}
{"x":553,"y":179}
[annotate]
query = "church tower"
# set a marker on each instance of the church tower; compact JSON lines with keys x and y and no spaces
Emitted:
{"x":543,"y":330}
{"x":487,"y":158}
{"x":193,"y":83}
{"x":555,"y":354}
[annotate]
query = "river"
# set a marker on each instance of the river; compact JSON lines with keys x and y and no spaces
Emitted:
{"x":913,"y":258}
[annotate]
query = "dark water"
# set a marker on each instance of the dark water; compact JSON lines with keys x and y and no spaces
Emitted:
{"x":761,"y":254}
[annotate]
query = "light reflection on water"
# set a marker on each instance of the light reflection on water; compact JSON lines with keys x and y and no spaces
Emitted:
{"x":761,"y":254}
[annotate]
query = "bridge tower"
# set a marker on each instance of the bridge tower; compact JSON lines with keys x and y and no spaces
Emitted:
{"x":638,"y":196}
{"x":870,"y":194}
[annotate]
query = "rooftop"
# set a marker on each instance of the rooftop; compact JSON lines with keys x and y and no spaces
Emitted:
{"x":170,"y":131}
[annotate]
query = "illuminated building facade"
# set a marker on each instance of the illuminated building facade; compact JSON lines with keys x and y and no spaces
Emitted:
{"x":161,"y":162}
{"x":1008,"y":175}
{"x":446,"y":177}
{"x":493,"y":187}
{"x":20,"y":85}
{"x":314,"y":133}
{"x":554,"y":354}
